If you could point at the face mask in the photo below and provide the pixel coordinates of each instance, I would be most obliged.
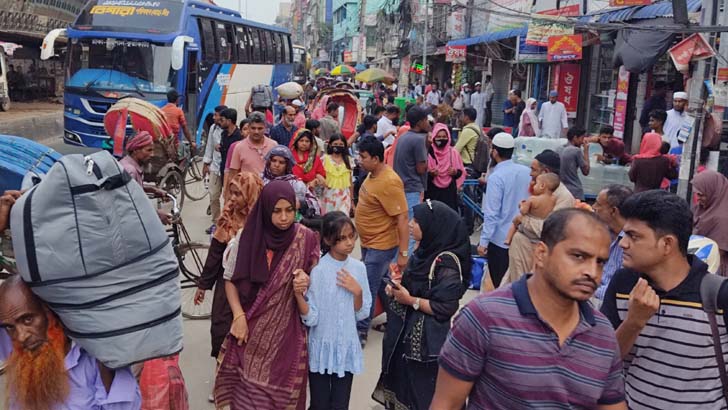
(441, 143)
(337, 150)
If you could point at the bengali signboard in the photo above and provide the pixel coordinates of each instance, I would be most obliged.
(132, 15)
(455, 54)
(566, 8)
(564, 48)
(620, 103)
(530, 54)
(566, 82)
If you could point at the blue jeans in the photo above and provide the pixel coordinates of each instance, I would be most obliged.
(413, 199)
(377, 264)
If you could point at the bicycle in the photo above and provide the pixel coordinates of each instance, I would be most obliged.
(191, 257)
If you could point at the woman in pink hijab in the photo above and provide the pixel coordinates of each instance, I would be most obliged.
(446, 172)
(710, 216)
(650, 167)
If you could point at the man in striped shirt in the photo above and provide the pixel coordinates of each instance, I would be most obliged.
(537, 343)
(655, 305)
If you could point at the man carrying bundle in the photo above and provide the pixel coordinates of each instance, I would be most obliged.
(46, 370)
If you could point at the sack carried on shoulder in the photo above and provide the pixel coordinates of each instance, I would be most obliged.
(90, 244)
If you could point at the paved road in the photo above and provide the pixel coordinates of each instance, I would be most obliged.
(196, 363)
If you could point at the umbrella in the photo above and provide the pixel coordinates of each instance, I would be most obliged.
(343, 70)
(373, 75)
(321, 71)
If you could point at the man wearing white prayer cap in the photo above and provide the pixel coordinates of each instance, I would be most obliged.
(676, 117)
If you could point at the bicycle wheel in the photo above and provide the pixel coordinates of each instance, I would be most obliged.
(194, 187)
(174, 184)
(192, 258)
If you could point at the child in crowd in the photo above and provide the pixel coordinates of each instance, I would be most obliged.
(338, 193)
(540, 204)
(333, 304)
(307, 167)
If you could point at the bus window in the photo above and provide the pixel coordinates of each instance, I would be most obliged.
(264, 41)
(287, 48)
(221, 43)
(270, 48)
(256, 46)
(282, 48)
(208, 44)
(273, 54)
(242, 42)
(230, 35)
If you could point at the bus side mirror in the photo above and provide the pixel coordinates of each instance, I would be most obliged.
(178, 51)
(47, 50)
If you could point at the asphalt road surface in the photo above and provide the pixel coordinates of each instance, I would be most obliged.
(197, 365)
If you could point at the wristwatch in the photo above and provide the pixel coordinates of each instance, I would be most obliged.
(404, 254)
(416, 305)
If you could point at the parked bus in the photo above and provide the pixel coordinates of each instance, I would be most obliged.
(300, 64)
(142, 48)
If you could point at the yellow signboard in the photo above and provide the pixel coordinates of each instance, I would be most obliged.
(125, 11)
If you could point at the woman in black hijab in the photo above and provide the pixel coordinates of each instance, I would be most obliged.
(422, 306)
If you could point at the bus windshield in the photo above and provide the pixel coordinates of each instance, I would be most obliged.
(120, 65)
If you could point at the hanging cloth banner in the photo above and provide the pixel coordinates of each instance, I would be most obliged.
(540, 29)
(693, 48)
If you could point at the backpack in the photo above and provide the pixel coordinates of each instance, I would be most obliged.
(709, 289)
(89, 243)
(262, 96)
(481, 159)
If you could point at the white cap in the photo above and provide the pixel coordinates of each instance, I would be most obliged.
(503, 140)
(680, 95)
(477, 83)
(466, 85)
(297, 103)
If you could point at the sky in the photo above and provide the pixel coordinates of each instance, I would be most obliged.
(260, 11)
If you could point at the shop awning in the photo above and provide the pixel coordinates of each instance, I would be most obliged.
(611, 16)
(491, 37)
(663, 9)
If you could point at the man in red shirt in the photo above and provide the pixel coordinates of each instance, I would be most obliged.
(613, 150)
(176, 117)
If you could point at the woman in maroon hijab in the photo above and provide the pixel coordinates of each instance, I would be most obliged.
(264, 362)
(710, 217)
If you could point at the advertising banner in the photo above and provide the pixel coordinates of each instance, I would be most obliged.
(566, 82)
(620, 103)
(455, 54)
(620, 3)
(565, 48)
(539, 30)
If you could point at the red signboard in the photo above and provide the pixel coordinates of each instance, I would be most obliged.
(620, 103)
(348, 57)
(722, 74)
(619, 3)
(572, 10)
(566, 82)
(693, 48)
(455, 54)
(564, 48)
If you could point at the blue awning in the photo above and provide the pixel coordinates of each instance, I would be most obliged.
(491, 37)
(663, 9)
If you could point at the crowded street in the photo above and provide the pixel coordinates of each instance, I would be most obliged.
(363, 204)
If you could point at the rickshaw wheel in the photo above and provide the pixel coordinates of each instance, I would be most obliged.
(173, 183)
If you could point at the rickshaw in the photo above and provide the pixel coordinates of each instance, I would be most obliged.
(173, 167)
(346, 99)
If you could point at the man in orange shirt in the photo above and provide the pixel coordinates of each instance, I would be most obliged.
(176, 117)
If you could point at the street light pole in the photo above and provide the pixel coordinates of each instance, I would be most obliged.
(424, 42)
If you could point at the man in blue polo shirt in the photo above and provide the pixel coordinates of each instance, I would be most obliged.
(656, 308)
(507, 187)
(537, 343)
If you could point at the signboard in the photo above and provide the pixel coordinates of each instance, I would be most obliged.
(456, 24)
(132, 15)
(348, 57)
(566, 82)
(620, 103)
(620, 3)
(722, 74)
(417, 68)
(565, 8)
(455, 54)
(695, 47)
(564, 48)
(539, 30)
(530, 54)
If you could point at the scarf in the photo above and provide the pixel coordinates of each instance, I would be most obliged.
(442, 159)
(712, 221)
(278, 151)
(531, 113)
(442, 230)
(234, 215)
(306, 163)
(260, 235)
(650, 146)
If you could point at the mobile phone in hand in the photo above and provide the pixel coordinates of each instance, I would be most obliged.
(391, 283)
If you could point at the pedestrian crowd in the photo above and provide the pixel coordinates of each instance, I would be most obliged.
(594, 307)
